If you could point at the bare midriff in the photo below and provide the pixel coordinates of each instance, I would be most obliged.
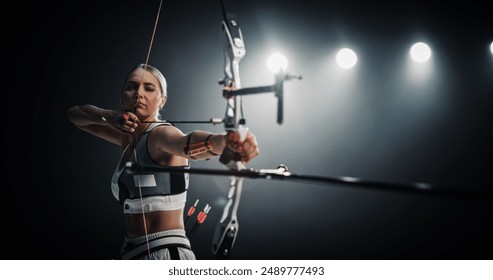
(154, 222)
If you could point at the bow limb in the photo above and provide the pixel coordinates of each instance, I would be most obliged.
(234, 50)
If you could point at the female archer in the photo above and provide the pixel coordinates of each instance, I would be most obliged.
(153, 202)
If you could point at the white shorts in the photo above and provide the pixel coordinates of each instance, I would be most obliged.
(162, 245)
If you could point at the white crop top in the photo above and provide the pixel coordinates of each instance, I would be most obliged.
(148, 191)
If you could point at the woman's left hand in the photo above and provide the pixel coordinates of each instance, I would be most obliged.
(243, 151)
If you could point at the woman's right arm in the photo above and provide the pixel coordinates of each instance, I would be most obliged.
(99, 122)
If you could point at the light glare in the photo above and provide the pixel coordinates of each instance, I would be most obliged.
(276, 62)
(420, 52)
(346, 58)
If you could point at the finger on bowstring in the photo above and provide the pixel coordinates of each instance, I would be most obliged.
(125, 117)
(125, 124)
(131, 126)
(133, 118)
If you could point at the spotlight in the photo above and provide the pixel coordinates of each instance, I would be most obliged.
(420, 52)
(277, 62)
(346, 58)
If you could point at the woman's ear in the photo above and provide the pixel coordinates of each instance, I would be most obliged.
(163, 101)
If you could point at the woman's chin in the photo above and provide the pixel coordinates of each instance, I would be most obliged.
(140, 112)
(144, 116)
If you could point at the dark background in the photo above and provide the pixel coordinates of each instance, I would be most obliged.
(370, 122)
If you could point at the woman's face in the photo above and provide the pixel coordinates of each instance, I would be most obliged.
(142, 94)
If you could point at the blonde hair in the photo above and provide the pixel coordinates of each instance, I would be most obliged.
(162, 81)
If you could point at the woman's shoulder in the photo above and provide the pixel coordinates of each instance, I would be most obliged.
(164, 128)
(154, 125)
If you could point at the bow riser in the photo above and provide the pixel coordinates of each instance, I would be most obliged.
(234, 50)
(227, 228)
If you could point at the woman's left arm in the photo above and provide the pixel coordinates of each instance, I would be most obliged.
(200, 145)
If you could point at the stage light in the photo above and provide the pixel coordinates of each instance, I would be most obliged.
(346, 58)
(277, 62)
(491, 47)
(420, 52)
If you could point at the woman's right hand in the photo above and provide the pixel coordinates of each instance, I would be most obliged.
(124, 121)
